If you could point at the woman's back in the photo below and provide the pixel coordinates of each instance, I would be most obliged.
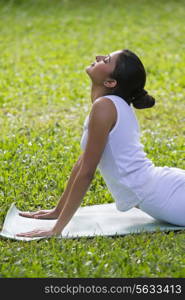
(129, 174)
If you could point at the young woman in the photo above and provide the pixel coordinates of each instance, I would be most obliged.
(111, 142)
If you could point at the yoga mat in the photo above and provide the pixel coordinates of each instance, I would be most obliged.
(88, 221)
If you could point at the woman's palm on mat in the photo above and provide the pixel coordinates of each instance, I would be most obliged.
(41, 214)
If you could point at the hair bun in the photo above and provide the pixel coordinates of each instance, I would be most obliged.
(138, 94)
(141, 99)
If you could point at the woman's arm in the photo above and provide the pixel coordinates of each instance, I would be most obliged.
(100, 123)
(64, 196)
(79, 188)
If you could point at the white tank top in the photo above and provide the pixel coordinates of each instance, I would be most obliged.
(128, 173)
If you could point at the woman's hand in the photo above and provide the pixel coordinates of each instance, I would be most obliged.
(38, 232)
(41, 214)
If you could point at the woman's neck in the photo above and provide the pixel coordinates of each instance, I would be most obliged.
(96, 92)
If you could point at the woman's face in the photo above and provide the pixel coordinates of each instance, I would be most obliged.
(99, 71)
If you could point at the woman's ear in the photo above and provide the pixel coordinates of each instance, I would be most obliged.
(110, 83)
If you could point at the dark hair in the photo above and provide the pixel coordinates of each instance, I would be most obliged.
(130, 75)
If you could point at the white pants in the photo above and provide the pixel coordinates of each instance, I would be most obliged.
(169, 209)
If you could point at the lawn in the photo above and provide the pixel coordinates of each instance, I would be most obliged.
(44, 98)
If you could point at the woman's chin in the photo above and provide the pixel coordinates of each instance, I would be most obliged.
(87, 69)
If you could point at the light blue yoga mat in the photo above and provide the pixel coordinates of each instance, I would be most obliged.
(88, 221)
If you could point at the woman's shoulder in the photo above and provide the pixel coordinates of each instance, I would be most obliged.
(104, 109)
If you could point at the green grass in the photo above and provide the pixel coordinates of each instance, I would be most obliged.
(44, 99)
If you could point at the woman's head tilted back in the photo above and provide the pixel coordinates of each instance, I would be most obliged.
(122, 73)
